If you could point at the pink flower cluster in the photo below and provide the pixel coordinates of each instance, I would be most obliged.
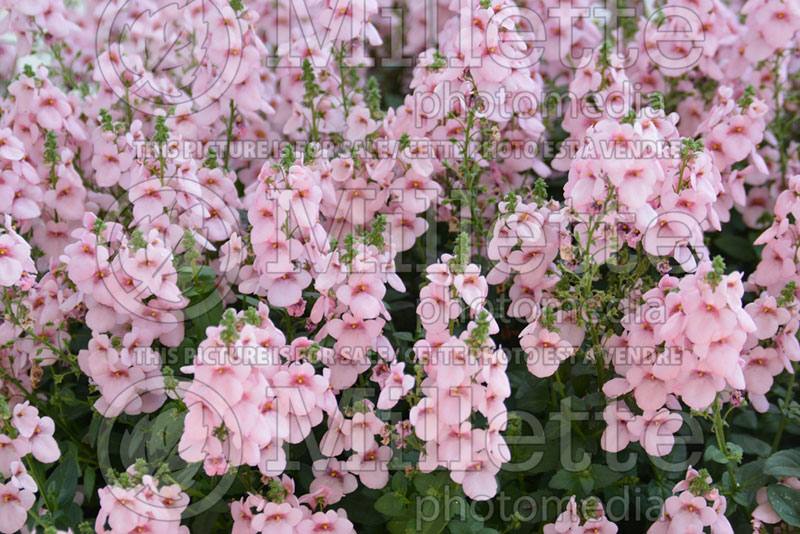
(693, 507)
(288, 514)
(32, 435)
(463, 375)
(570, 521)
(703, 328)
(244, 402)
(701, 325)
(142, 506)
(15, 257)
(631, 174)
(100, 197)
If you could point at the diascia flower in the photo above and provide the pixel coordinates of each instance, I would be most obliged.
(14, 506)
(242, 221)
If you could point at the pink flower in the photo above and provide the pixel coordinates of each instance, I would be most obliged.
(688, 513)
(699, 384)
(767, 315)
(225, 378)
(286, 288)
(761, 364)
(656, 430)
(359, 124)
(14, 506)
(415, 191)
(278, 518)
(11, 148)
(546, 350)
(398, 384)
(43, 445)
(616, 435)
(25, 418)
(354, 336)
(476, 473)
(325, 523)
(363, 428)
(109, 164)
(21, 479)
(14, 259)
(303, 197)
(709, 319)
(243, 515)
(363, 293)
(337, 439)
(424, 417)
(332, 474)
(298, 387)
(738, 137)
(371, 466)
(405, 228)
(471, 286)
(51, 108)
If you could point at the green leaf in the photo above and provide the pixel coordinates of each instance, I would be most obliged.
(563, 479)
(63, 481)
(750, 476)
(470, 525)
(429, 481)
(165, 434)
(783, 464)
(586, 483)
(580, 483)
(400, 482)
(89, 478)
(390, 504)
(205, 313)
(401, 525)
(604, 476)
(433, 524)
(713, 454)
(752, 445)
(735, 452)
(459, 527)
(404, 336)
(786, 503)
(68, 516)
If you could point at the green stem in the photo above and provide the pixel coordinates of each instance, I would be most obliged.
(33, 469)
(782, 426)
(719, 432)
(228, 133)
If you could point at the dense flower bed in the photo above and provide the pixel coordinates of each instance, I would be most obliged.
(466, 266)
